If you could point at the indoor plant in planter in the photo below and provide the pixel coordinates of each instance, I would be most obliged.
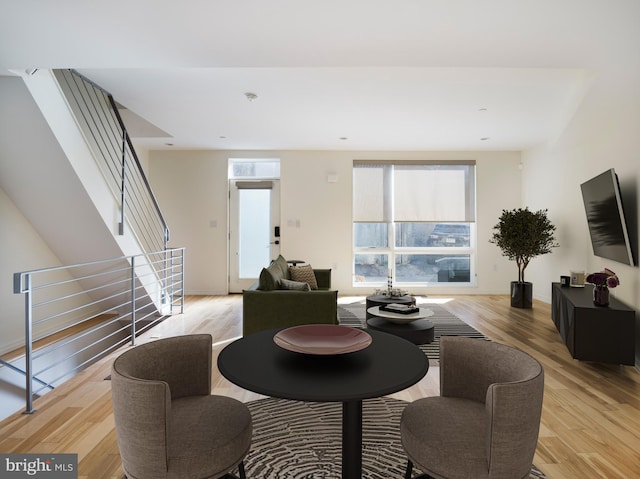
(522, 235)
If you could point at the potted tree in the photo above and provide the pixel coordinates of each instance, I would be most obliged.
(522, 235)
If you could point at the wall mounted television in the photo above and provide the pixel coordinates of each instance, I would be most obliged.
(605, 218)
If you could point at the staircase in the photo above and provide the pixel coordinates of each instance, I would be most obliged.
(86, 193)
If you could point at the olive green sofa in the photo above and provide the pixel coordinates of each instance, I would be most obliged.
(267, 304)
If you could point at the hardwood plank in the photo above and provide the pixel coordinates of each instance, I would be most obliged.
(591, 413)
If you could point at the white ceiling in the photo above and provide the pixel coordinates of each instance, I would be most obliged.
(388, 75)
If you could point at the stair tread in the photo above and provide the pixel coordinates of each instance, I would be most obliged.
(59, 336)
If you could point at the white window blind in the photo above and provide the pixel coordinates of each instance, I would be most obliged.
(370, 185)
(414, 192)
(432, 193)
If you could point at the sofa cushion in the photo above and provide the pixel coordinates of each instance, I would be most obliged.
(304, 274)
(294, 285)
(283, 266)
(269, 278)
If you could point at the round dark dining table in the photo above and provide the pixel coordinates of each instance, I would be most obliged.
(388, 365)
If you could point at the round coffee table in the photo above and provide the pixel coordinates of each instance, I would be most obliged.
(380, 300)
(412, 327)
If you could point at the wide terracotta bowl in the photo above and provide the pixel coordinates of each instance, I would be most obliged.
(322, 339)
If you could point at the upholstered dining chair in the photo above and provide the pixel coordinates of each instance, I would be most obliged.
(168, 425)
(485, 423)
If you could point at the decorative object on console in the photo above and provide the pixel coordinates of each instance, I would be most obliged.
(565, 281)
(522, 235)
(601, 282)
(577, 279)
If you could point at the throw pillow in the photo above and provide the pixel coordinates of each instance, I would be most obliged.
(267, 282)
(282, 264)
(304, 274)
(294, 285)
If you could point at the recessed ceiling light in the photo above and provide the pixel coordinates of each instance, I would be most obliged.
(482, 109)
(222, 137)
(485, 138)
(251, 96)
(169, 144)
(343, 138)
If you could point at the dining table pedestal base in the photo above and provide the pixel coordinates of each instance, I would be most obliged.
(352, 439)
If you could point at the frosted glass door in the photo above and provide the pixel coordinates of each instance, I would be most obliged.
(254, 232)
(254, 213)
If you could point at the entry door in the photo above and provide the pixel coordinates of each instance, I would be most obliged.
(254, 237)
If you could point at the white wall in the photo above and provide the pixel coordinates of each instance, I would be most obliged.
(191, 187)
(22, 250)
(604, 133)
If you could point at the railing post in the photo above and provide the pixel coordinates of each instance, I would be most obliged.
(182, 281)
(123, 177)
(168, 278)
(133, 301)
(28, 344)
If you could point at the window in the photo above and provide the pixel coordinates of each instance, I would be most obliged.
(254, 168)
(415, 221)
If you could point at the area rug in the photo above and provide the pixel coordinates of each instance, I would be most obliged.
(445, 324)
(303, 440)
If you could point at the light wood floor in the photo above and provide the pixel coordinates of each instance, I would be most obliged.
(590, 421)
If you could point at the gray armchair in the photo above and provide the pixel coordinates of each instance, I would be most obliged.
(168, 425)
(485, 423)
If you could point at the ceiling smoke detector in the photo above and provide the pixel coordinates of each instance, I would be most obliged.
(251, 96)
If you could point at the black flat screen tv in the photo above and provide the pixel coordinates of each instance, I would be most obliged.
(605, 217)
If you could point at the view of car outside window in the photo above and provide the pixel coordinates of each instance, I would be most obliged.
(426, 262)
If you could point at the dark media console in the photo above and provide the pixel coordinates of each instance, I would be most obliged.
(593, 333)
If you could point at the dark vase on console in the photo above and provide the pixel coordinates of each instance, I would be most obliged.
(600, 295)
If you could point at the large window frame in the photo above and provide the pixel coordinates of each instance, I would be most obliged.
(414, 221)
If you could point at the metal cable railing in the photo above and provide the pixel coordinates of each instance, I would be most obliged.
(74, 315)
(97, 114)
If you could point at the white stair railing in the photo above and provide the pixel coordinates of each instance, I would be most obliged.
(76, 314)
